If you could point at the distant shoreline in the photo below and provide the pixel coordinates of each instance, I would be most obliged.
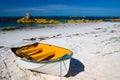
(10, 23)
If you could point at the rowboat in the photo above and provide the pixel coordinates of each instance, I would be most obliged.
(45, 58)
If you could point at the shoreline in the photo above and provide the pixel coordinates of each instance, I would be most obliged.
(95, 46)
(42, 32)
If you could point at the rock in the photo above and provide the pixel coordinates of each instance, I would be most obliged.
(27, 16)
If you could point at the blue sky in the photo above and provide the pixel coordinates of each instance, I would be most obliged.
(60, 7)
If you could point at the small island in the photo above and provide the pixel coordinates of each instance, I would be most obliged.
(28, 19)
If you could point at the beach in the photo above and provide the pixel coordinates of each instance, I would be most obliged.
(95, 47)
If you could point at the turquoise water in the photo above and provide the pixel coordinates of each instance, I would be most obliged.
(7, 24)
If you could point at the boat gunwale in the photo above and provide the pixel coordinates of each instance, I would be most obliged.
(65, 57)
(47, 61)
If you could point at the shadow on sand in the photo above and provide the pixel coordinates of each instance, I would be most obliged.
(75, 67)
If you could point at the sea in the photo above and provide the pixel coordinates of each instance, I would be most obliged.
(11, 22)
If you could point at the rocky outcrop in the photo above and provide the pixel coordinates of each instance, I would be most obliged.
(27, 16)
(28, 19)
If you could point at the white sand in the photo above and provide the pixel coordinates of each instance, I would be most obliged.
(95, 46)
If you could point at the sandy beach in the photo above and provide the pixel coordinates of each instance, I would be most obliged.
(95, 46)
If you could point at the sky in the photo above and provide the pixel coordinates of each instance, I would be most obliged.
(60, 7)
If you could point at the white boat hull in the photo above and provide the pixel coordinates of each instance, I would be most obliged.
(43, 60)
(58, 68)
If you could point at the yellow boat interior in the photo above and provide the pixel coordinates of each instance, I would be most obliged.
(40, 52)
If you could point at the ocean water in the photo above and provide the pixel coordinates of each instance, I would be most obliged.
(10, 22)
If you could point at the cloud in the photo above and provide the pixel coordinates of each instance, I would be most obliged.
(22, 9)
